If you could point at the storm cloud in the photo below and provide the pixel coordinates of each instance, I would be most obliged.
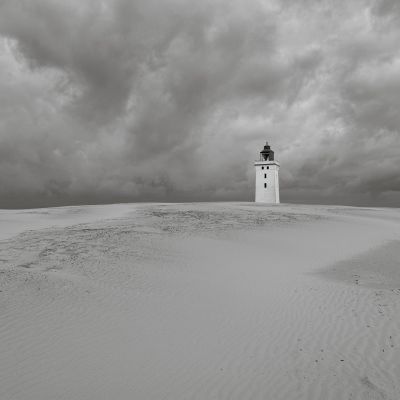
(143, 100)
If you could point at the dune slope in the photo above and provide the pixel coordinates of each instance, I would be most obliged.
(201, 301)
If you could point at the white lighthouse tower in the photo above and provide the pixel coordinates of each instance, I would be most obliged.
(267, 177)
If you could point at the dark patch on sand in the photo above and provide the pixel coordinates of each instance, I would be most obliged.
(172, 220)
(372, 391)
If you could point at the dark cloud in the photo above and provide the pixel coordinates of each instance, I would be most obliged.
(124, 100)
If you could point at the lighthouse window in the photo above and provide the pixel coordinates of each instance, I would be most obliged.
(262, 167)
(267, 167)
(265, 176)
(265, 185)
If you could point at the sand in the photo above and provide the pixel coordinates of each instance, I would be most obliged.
(200, 301)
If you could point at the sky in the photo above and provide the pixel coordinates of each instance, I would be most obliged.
(107, 101)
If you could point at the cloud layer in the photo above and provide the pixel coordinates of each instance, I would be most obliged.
(125, 100)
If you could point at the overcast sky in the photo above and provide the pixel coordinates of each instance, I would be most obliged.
(172, 100)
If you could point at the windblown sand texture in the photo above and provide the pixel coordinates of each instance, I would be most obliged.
(200, 301)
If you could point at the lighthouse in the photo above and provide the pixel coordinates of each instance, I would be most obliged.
(267, 177)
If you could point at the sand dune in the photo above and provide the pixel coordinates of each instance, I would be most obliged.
(200, 301)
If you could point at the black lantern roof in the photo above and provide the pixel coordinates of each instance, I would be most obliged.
(267, 154)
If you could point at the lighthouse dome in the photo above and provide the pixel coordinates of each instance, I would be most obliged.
(267, 153)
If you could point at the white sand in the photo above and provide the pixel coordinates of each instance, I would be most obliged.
(13, 222)
(200, 301)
